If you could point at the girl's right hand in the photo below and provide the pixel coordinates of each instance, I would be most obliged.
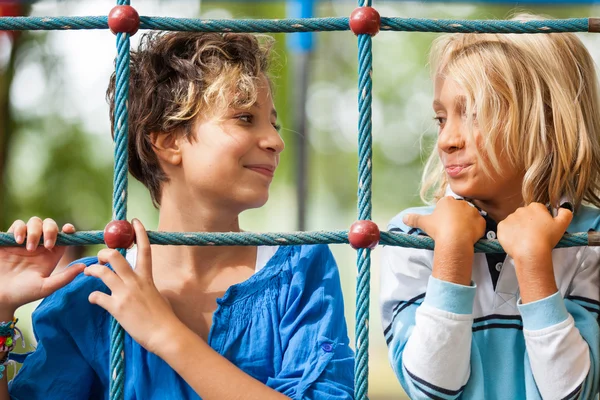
(26, 272)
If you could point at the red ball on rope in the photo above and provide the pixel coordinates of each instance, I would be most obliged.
(119, 234)
(364, 234)
(365, 20)
(123, 19)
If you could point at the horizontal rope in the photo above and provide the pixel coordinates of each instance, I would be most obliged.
(280, 239)
(303, 25)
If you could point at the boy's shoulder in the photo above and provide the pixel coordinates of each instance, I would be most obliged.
(585, 219)
(396, 224)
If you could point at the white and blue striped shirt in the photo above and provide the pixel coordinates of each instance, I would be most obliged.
(448, 341)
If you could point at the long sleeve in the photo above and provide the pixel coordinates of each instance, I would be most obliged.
(427, 323)
(562, 336)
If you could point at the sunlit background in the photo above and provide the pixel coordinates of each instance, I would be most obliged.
(56, 152)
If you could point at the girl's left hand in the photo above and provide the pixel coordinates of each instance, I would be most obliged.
(135, 302)
(532, 232)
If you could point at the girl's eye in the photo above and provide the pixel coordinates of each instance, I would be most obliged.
(277, 127)
(247, 118)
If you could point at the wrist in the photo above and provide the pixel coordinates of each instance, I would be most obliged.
(535, 275)
(171, 340)
(7, 313)
(453, 261)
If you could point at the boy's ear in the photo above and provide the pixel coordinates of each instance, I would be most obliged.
(167, 147)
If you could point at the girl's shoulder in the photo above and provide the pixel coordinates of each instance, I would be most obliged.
(69, 309)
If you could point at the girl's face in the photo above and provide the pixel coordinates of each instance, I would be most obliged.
(458, 150)
(232, 159)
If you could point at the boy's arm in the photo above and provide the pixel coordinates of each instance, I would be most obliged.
(317, 361)
(563, 337)
(427, 324)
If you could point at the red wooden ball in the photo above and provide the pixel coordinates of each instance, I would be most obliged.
(119, 234)
(364, 235)
(124, 19)
(365, 20)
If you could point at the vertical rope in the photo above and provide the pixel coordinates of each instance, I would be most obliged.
(365, 84)
(121, 128)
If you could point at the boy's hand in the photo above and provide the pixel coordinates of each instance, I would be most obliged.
(455, 226)
(25, 272)
(528, 235)
(531, 231)
(452, 221)
(135, 302)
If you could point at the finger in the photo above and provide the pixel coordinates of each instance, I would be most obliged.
(50, 231)
(34, 233)
(143, 265)
(19, 229)
(101, 299)
(416, 221)
(563, 219)
(117, 262)
(68, 228)
(102, 272)
(54, 282)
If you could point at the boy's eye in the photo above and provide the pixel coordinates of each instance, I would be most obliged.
(277, 127)
(440, 120)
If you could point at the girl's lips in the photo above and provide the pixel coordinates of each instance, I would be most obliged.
(262, 169)
(455, 170)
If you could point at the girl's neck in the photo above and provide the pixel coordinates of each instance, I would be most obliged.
(198, 261)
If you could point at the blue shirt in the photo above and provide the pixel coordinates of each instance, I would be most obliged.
(284, 326)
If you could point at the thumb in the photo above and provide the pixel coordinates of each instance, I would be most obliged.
(563, 219)
(54, 282)
(415, 221)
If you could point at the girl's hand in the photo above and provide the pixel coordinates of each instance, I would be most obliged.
(25, 272)
(135, 302)
(452, 221)
(532, 232)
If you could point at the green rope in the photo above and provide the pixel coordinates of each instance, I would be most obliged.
(300, 25)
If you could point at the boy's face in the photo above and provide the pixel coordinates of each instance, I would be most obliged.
(232, 159)
(468, 175)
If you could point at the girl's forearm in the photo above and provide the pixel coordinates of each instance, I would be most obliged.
(535, 275)
(210, 375)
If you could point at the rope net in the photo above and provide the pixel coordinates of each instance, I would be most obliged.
(365, 22)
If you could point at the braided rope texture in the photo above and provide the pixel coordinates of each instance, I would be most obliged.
(365, 176)
(300, 25)
(117, 334)
(121, 130)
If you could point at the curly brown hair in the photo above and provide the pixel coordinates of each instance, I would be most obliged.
(177, 76)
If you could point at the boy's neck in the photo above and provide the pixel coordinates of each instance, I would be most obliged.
(499, 209)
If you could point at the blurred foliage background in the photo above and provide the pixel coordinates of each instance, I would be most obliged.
(56, 151)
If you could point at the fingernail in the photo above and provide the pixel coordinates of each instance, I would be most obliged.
(19, 239)
(30, 246)
(48, 244)
(135, 221)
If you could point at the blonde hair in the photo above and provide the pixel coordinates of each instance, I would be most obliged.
(536, 95)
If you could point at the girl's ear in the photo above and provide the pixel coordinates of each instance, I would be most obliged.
(167, 147)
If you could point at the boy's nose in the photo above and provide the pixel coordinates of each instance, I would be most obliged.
(451, 138)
